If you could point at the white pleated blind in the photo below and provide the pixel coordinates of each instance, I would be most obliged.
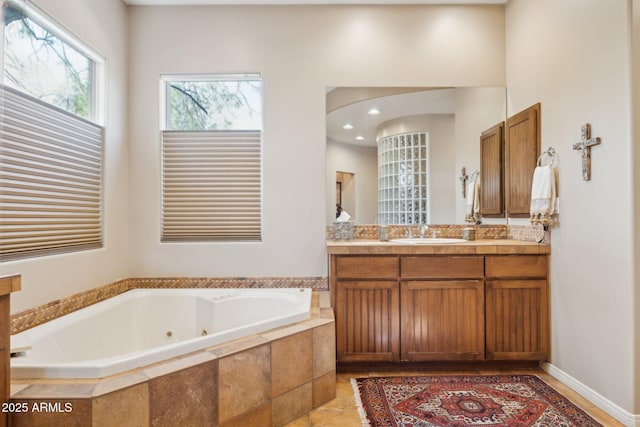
(211, 186)
(50, 179)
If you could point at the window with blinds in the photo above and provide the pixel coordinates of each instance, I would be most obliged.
(211, 186)
(50, 179)
(51, 149)
(212, 159)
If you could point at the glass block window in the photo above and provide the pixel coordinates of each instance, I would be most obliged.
(403, 179)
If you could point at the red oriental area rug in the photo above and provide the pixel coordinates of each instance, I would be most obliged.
(460, 401)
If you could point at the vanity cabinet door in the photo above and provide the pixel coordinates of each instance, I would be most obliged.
(517, 320)
(367, 321)
(442, 320)
(517, 305)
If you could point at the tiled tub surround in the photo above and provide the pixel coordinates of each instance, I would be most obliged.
(266, 379)
(145, 326)
(530, 233)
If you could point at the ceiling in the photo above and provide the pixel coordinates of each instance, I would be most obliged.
(428, 101)
(303, 2)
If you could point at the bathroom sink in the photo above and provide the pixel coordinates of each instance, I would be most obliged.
(428, 240)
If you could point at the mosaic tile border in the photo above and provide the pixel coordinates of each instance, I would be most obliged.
(33, 317)
(231, 282)
(442, 230)
(528, 233)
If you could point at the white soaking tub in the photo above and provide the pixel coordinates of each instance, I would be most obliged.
(145, 326)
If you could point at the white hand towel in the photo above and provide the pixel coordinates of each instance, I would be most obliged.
(543, 195)
(344, 216)
(472, 211)
(470, 195)
(476, 198)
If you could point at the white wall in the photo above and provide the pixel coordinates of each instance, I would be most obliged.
(573, 57)
(442, 171)
(103, 26)
(299, 51)
(635, 147)
(363, 163)
(477, 109)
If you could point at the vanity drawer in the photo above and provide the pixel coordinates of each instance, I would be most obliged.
(367, 267)
(517, 266)
(441, 267)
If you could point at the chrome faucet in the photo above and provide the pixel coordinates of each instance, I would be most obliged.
(423, 231)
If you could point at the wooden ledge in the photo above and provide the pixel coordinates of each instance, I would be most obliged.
(10, 283)
(474, 247)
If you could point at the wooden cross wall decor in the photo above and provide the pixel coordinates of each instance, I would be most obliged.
(585, 144)
(463, 179)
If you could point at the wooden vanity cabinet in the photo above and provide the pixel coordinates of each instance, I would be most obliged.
(517, 307)
(366, 301)
(442, 308)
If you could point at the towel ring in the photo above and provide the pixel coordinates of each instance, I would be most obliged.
(551, 154)
(475, 175)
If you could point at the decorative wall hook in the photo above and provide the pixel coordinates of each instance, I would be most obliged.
(585, 144)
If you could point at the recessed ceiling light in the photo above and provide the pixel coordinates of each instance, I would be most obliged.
(347, 126)
(360, 138)
(373, 112)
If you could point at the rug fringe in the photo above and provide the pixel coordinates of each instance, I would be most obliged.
(356, 394)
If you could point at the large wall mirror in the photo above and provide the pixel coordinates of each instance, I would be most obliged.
(424, 136)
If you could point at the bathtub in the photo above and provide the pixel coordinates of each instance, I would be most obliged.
(145, 326)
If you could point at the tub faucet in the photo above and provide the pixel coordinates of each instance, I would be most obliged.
(423, 231)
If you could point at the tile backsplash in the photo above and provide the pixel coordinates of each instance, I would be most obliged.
(529, 233)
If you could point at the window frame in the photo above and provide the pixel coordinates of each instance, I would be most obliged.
(164, 119)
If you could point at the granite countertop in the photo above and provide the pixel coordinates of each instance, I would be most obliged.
(480, 247)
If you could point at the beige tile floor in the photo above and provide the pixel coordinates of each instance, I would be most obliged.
(342, 412)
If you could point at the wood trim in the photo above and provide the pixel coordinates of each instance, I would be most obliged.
(5, 360)
(10, 283)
